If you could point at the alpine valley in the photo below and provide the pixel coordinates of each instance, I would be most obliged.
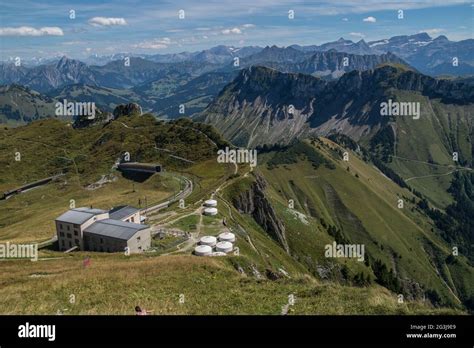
(331, 170)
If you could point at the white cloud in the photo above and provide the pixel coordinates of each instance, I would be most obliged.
(370, 19)
(432, 32)
(237, 30)
(345, 19)
(231, 31)
(106, 22)
(155, 44)
(30, 31)
(357, 34)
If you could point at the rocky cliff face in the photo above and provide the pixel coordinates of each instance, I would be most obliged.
(334, 64)
(328, 64)
(65, 71)
(255, 203)
(265, 106)
(383, 78)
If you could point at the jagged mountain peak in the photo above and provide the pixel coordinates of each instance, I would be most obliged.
(65, 62)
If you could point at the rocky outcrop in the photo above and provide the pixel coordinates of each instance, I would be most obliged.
(255, 203)
(130, 109)
(84, 121)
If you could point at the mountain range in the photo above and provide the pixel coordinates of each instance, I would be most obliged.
(264, 105)
(163, 87)
(332, 168)
(280, 246)
(427, 54)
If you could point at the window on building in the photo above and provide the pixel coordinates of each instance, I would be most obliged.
(61, 234)
(76, 233)
(139, 248)
(62, 243)
(101, 241)
(133, 219)
(77, 241)
(70, 244)
(69, 235)
(138, 238)
(68, 227)
(60, 226)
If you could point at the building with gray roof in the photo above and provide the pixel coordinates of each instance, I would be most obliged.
(80, 215)
(117, 230)
(125, 213)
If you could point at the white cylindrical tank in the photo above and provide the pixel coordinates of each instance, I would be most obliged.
(225, 247)
(203, 250)
(208, 240)
(227, 237)
(210, 211)
(210, 203)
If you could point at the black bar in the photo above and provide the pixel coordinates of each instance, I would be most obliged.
(242, 330)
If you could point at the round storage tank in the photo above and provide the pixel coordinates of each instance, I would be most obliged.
(208, 240)
(225, 247)
(227, 237)
(210, 211)
(210, 203)
(202, 250)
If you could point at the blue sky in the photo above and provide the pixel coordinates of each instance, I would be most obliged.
(44, 28)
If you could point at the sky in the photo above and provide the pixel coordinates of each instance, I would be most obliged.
(79, 29)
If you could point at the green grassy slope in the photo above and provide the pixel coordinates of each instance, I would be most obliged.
(116, 284)
(361, 202)
(20, 105)
(326, 195)
(424, 148)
